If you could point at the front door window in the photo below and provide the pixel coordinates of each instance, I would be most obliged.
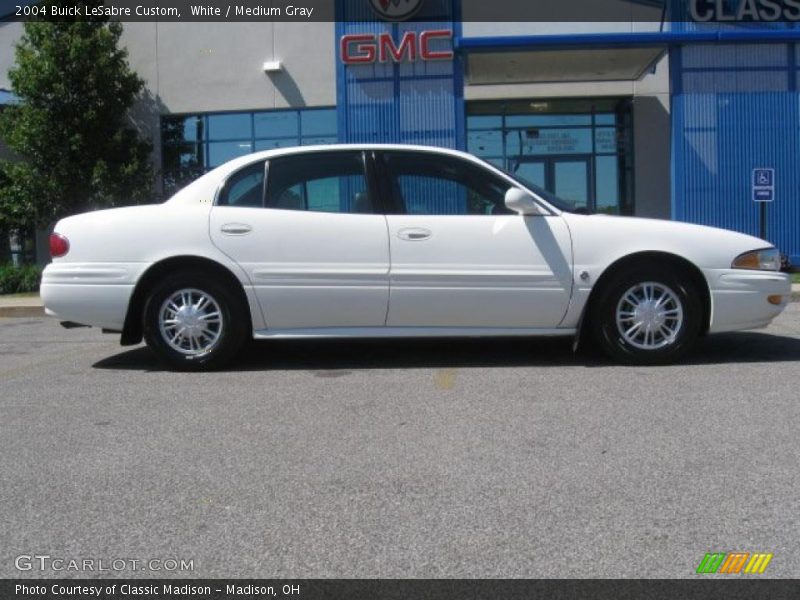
(428, 184)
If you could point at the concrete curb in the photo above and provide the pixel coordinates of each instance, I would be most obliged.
(11, 312)
(21, 306)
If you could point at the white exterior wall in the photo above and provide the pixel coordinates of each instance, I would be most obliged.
(206, 67)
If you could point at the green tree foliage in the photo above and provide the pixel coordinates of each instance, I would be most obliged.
(184, 159)
(71, 128)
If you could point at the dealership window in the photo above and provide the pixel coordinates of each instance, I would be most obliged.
(194, 144)
(578, 149)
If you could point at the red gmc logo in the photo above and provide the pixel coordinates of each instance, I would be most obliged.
(364, 48)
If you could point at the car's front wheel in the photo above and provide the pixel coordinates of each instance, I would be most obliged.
(647, 316)
(194, 323)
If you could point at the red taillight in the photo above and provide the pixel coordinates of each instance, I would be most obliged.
(59, 245)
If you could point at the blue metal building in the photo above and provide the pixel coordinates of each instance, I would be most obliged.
(734, 108)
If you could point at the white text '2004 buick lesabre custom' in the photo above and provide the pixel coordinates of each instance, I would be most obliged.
(393, 240)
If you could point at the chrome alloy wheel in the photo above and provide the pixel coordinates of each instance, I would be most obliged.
(649, 316)
(190, 321)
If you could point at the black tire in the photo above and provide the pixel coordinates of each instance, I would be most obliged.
(229, 335)
(664, 349)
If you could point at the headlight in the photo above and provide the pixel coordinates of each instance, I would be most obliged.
(768, 259)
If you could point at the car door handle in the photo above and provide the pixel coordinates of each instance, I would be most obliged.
(414, 234)
(236, 228)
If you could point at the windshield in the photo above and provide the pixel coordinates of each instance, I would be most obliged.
(559, 203)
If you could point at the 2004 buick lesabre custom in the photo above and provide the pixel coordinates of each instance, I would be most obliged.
(392, 240)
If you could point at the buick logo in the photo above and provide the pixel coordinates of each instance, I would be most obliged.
(396, 10)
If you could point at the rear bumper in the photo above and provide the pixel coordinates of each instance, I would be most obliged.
(739, 298)
(97, 305)
(89, 293)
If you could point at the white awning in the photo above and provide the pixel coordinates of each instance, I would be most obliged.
(562, 65)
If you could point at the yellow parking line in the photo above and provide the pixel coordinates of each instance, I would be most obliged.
(445, 379)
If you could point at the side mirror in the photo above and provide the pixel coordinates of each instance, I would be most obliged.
(522, 202)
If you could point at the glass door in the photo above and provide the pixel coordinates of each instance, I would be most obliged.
(571, 181)
(534, 171)
(567, 178)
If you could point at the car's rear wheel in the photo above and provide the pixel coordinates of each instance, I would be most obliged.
(194, 323)
(647, 315)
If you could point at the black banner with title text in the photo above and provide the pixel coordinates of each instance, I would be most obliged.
(780, 12)
(402, 589)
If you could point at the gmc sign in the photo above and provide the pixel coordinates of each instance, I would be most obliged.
(365, 48)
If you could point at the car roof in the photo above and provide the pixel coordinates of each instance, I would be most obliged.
(275, 152)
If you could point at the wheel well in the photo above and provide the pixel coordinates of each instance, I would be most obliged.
(132, 330)
(660, 259)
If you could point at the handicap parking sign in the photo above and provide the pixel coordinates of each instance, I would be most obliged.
(763, 177)
(763, 185)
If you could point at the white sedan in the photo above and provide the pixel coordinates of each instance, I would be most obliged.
(397, 241)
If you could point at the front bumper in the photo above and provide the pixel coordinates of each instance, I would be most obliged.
(740, 299)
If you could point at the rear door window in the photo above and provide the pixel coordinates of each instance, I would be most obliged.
(245, 188)
(333, 182)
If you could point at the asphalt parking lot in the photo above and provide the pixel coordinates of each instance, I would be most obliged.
(446, 458)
